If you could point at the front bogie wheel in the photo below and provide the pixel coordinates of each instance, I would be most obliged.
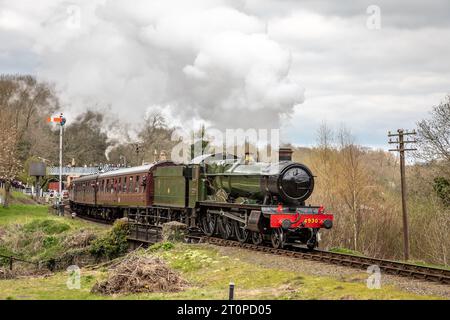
(278, 238)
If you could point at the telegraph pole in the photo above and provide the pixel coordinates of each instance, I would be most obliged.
(401, 147)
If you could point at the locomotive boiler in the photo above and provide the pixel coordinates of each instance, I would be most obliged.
(283, 182)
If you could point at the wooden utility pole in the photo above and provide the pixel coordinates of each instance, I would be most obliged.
(401, 143)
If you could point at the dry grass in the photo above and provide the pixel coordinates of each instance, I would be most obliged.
(140, 274)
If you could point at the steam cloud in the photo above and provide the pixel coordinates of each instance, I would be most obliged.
(195, 59)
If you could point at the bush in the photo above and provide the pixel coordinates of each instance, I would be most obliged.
(442, 188)
(113, 244)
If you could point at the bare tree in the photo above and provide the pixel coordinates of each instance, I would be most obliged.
(28, 102)
(354, 181)
(156, 135)
(85, 139)
(9, 163)
(434, 134)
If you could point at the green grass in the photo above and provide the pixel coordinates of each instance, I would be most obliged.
(346, 251)
(20, 195)
(21, 213)
(209, 274)
(17, 197)
(48, 226)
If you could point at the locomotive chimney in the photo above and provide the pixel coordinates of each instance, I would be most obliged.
(285, 154)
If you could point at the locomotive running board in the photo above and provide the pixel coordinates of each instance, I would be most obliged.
(230, 205)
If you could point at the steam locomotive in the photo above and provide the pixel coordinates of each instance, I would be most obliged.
(216, 194)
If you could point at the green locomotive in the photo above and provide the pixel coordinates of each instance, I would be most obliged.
(215, 194)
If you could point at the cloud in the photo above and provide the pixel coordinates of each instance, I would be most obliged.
(202, 60)
(238, 63)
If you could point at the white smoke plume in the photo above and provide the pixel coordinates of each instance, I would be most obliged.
(206, 60)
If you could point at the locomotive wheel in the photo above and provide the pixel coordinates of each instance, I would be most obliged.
(226, 228)
(257, 238)
(278, 238)
(209, 222)
(240, 232)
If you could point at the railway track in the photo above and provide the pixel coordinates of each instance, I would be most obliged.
(441, 276)
(387, 266)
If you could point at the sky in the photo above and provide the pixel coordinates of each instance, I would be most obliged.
(372, 66)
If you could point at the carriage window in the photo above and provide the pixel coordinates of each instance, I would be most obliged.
(125, 184)
(144, 183)
(131, 185)
(136, 188)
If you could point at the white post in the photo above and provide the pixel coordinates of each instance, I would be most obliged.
(60, 166)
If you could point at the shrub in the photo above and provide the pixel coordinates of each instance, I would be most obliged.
(113, 244)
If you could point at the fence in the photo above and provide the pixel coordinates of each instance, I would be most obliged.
(11, 260)
(51, 264)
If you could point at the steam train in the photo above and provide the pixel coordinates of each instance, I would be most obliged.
(216, 194)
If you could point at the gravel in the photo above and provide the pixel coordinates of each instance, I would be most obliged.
(341, 273)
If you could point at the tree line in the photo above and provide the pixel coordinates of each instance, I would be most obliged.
(359, 185)
(26, 103)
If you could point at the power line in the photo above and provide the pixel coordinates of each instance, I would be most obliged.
(401, 147)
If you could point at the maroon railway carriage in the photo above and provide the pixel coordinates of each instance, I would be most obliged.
(113, 194)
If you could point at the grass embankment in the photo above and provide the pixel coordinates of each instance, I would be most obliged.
(30, 232)
(17, 197)
(208, 273)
